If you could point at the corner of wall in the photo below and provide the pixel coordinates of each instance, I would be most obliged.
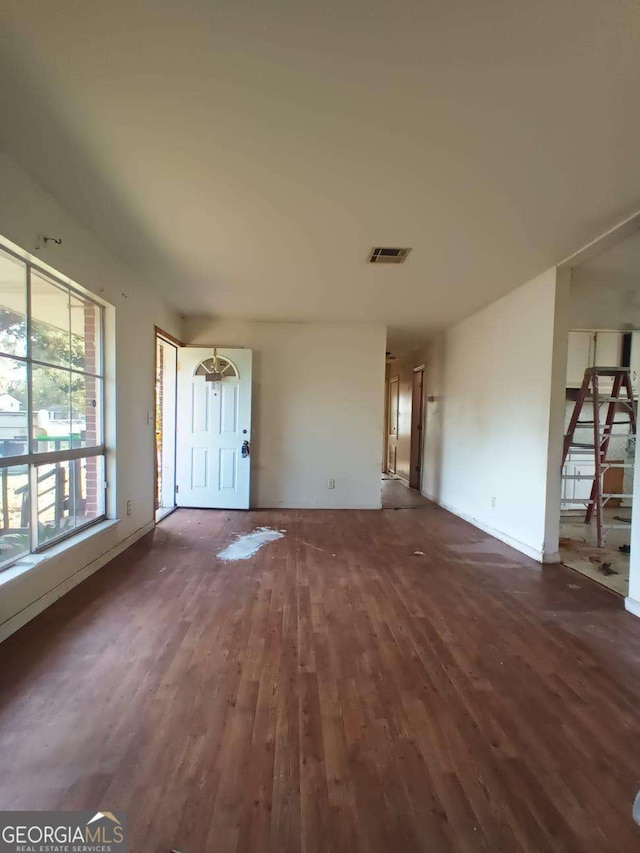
(509, 352)
(560, 343)
(632, 606)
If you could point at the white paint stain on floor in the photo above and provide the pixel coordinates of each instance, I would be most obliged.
(248, 544)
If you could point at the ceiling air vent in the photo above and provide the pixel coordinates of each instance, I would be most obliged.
(388, 256)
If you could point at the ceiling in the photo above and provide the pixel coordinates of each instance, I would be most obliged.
(245, 157)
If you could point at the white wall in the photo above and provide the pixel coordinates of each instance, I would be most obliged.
(605, 288)
(25, 211)
(497, 379)
(632, 602)
(318, 401)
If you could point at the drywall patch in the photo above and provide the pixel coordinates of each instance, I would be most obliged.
(248, 544)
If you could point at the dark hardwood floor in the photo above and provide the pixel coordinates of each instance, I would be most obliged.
(334, 692)
(395, 495)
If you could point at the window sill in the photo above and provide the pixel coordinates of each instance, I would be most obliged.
(30, 561)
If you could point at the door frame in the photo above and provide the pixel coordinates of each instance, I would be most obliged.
(232, 440)
(392, 380)
(160, 334)
(417, 430)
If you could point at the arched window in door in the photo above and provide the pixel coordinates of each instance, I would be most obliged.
(224, 367)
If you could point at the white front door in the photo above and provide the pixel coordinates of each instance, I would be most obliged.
(214, 429)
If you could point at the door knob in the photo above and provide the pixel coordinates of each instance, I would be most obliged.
(246, 449)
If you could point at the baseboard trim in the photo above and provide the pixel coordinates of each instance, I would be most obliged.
(536, 554)
(632, 606)
(553, 557)
(18, 620)
(272, 507)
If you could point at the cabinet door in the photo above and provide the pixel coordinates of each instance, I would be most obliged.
(608, 354)
(568, 486)
(578, 489)
(608, 349)
(579, 357)
(586, 468)
(635, 362)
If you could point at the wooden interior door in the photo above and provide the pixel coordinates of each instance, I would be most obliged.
(392, 425)
(417, 414)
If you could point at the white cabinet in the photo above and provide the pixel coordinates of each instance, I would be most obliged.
(635, 362)
(579, 357)
(583, 465)
(608, 349)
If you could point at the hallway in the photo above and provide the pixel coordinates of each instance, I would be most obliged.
(335, 691)
(395, 495)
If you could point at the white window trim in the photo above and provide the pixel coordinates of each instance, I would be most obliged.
(33, 459)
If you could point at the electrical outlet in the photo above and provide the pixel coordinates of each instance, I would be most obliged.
(493, 503)
(129, 507)
(332, 484)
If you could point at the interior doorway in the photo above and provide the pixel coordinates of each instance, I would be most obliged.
(417, 427)
(599, 454)
(403, 431)
(392, 424)
(165, 424)
(599, 474)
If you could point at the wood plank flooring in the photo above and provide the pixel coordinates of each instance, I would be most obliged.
(334, 692)
(395, 495)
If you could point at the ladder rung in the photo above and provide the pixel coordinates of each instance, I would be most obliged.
(578, 476)
(609, 434)
(616, 526)
(577, 501)
(607, 371)
(591, 477)
(617, 465)
(602, 399)
(615, 495)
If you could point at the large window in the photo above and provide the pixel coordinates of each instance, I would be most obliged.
(52, 464)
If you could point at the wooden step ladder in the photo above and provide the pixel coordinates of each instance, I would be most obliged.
(602, 433)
